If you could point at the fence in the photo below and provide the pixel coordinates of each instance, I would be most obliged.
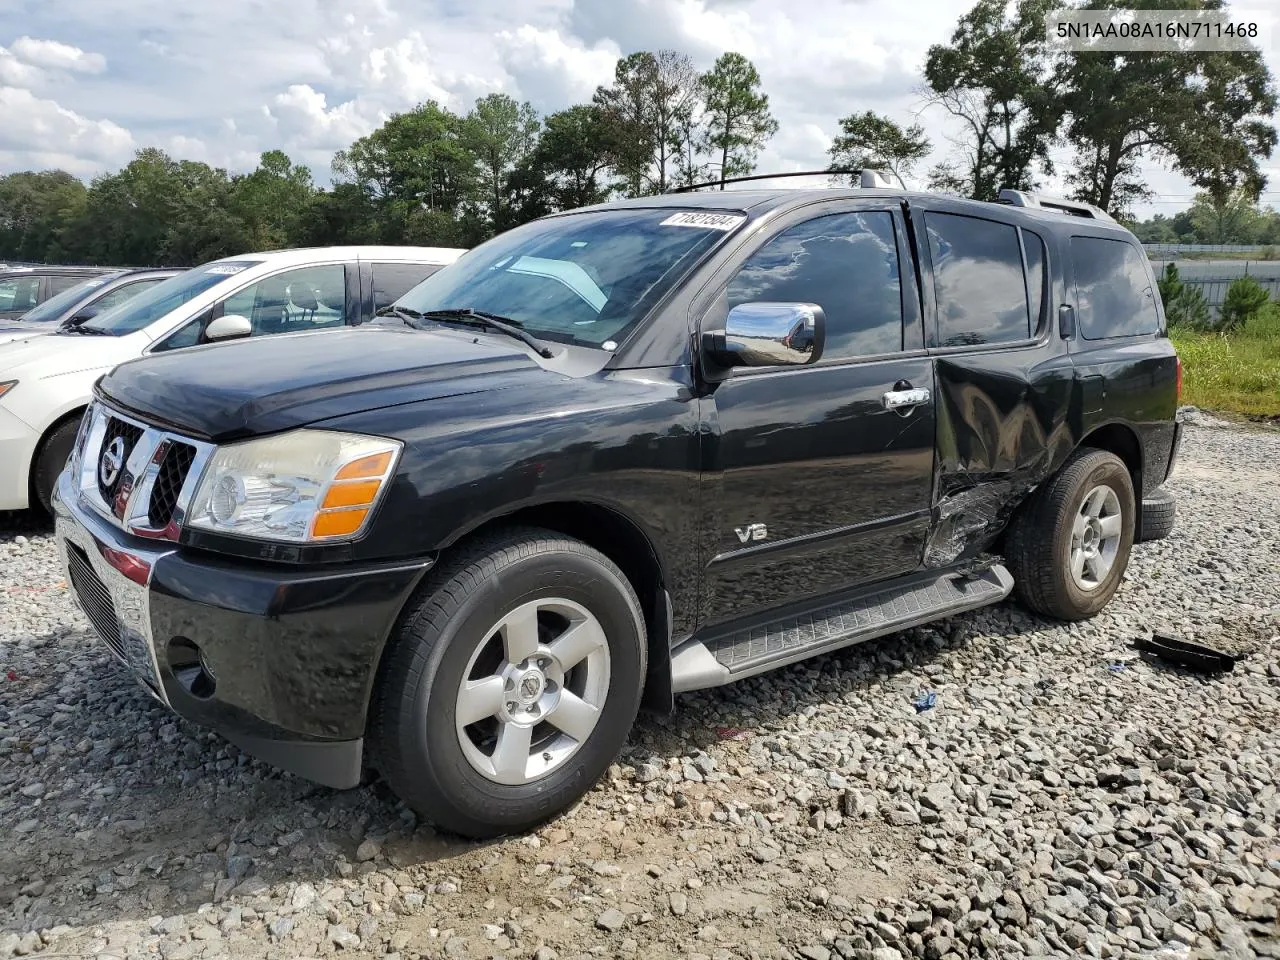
(1213, 277)
(1165, 249)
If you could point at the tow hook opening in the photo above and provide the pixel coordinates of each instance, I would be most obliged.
(191, 668)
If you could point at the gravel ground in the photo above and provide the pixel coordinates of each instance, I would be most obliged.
(1063, 796)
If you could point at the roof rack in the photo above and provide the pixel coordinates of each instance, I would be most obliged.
(1041, 201)
(868, 179)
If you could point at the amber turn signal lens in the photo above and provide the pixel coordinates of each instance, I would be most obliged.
(357, 494)
(374, 465)
(339, 523)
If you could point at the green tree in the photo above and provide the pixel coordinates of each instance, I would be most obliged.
(38, 213)
(417, 159)
(271, 200)
(867, 140)
(1184, 305)
(501, 134)
(573, 157)
(1205, 113)
(1245, 300)
(737, 118)
(1232, 218)
(161, 211)
(644, 116)
(995, 78)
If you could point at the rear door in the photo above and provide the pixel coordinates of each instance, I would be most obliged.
(816, 485)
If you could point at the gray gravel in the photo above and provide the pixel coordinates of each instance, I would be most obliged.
(1063, 797)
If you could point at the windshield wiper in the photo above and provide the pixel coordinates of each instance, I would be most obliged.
(404, 313)
(489, 321)
(84, 330)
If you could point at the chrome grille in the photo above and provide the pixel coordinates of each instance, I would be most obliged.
(155, 485)
(174, 469)
(130, 433)
(95, 600)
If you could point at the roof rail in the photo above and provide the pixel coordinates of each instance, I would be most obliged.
(868, 179)
(1041, 201)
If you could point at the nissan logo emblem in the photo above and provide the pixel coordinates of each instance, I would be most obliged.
(112, 462)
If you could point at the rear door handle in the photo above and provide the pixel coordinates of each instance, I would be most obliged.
(904, 401)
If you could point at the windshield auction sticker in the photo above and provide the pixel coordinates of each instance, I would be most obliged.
(707, 221)
(1156, 31)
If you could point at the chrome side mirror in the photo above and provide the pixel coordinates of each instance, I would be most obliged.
(769, 335)
(228, 327)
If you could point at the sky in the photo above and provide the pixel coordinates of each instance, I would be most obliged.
(85, 83)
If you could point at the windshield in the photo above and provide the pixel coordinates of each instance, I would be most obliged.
(55, 307)
(148, 307)
(586, 278)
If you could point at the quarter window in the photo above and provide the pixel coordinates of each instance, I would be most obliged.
(1114, 290)
(846, 263)
(978, 282)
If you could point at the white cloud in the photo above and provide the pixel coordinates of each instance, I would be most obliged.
(57, 56)
(303, 117)
(552, 70)
(40, 128)
(226, 80)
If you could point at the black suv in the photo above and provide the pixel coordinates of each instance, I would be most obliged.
(615, 454)
(25, 288)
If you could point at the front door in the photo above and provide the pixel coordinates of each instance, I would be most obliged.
(816, 484)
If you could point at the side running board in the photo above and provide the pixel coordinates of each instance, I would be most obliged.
(717, 658)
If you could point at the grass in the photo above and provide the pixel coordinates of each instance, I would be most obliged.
(1237, 374)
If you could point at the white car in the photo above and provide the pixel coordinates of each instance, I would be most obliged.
(46, 380)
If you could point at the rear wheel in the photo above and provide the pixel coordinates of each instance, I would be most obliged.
(50, 460)
(1069, 545)
(511, 684)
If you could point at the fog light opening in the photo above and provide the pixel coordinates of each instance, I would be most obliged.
(191, 668)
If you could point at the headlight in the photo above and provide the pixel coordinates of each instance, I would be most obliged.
(302, 486)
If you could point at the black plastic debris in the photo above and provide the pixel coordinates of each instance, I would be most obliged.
(1196, 656)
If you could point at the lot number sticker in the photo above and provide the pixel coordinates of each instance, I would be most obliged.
(707, 221)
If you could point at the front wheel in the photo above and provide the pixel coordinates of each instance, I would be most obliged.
(511, 684)
(1069, 544)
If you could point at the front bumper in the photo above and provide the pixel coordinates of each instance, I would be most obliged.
(18, 444)
(281, 662)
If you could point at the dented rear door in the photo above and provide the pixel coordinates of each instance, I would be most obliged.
(1003, 375)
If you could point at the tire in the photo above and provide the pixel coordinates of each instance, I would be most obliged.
(1159, 513)
(1042, 541)
(456, 630)
(50, 460)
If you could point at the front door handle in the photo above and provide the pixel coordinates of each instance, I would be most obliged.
(904, 401)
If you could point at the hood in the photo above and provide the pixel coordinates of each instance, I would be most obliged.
(229, 391)
(38, 354)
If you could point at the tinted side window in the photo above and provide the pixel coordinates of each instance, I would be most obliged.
(977, 280)
(1033, 247)
(19, 293)
(1113, 288)
(62, 282)
(847, 263)
(391, 281)
(120, 294)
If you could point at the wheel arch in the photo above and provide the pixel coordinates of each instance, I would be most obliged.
(1122, 440)
(75, 413)
(624, 541)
